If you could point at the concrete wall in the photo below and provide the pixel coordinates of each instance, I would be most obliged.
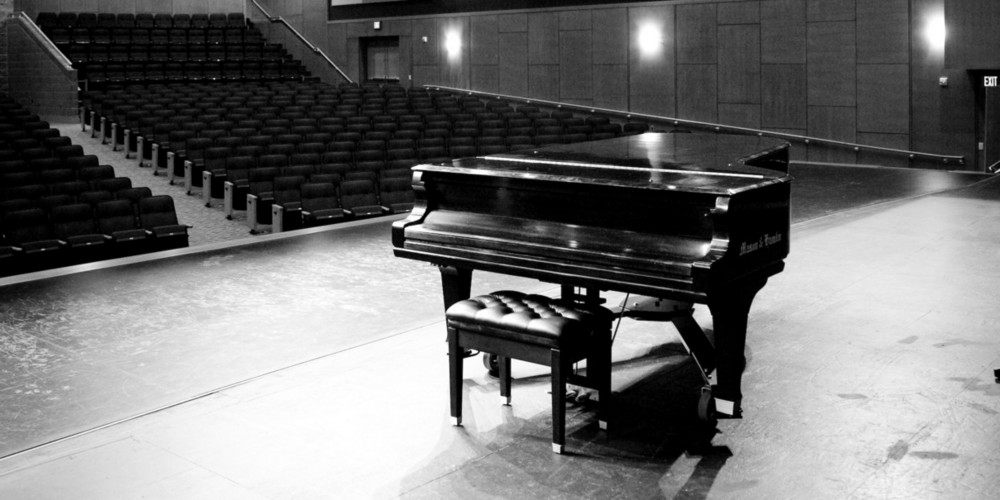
(37, 78)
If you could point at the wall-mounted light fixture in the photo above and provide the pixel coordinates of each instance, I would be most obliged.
(452, 43)
(935, 32)
(377, 25)
(650, 39)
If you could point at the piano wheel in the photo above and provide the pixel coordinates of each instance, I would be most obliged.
(492, 364)
(706, 405)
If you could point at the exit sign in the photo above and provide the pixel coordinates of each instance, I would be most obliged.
(990, 81)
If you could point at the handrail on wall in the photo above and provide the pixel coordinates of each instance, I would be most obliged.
(717, 127)
(303, 39)
(43, 40)
(994, 168)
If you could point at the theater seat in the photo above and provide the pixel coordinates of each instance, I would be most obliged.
(159, 218)
(320, 205)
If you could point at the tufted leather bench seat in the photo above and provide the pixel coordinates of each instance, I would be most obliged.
(537, 329)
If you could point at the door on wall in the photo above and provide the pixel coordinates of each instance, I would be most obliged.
(987, 84)
(380, 58)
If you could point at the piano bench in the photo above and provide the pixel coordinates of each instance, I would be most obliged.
(537, 329)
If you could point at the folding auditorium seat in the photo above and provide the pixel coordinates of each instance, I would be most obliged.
(125, 20)
(158, 217)
(29, 233)
(218, 20)
(236, 20)
(47, 21)
(396, 194)
(635, 128)
(94, 174)
(182, 21)
(117, 223)
(319, 204)
(234, 171)
(112, 185)
(163, 20)
(76, 229)
(258, 195)
(286, 204)
(193, 150)
(359, 199)
(213, 159)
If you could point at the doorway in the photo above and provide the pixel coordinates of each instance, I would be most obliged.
(380, 59)
(987, 85)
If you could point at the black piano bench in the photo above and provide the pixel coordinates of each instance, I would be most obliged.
(537, 329)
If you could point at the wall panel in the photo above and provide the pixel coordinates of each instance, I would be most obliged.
(485, 39)
(508, 23)
(783, 99)
(832, 122)
(574, 20)
(883, 98)
(745, 12)
(739, 63)
(697, 92)
(883, 32)
(696, 34)
(611, 86)
(830, 10)
(485, 78)
(513, 64)
(783, 31)
(543, 38)
(575, 65)
(742, 115)
(612, 37)
(424, 53)
(652, 80)
(894, 141)
(543, 81)
(831, 59)
(117, 6)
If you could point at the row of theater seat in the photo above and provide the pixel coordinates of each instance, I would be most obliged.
(117, 56)
(60, 207)
(83, 55)
(346, 131)
(100, 74)
(49, 20)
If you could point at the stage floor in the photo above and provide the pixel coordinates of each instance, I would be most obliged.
(313, 366)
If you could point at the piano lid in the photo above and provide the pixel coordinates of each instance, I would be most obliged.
(711, 163)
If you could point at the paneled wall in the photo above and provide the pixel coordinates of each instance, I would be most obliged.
(856, 70)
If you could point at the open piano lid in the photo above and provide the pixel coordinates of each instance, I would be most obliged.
(709, 163)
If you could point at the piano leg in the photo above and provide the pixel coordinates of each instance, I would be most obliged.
(730, 309)
(456, 283)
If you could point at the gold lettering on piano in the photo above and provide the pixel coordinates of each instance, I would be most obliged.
(764, 241)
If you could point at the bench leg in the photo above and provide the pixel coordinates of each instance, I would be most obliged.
(603, 376)
(558, 402)
(504, 363)
(455, 359)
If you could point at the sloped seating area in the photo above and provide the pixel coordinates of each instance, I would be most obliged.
(113, 50)
(59, 207)
(231, 142)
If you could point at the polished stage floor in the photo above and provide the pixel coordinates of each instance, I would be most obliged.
(312, 365)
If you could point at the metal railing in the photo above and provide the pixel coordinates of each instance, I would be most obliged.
(316, 50)
(716, 127)
(43, 40)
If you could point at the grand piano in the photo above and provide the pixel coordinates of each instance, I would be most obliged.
(701, 218)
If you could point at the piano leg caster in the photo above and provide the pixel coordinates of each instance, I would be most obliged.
(558, 448)
(706, 405)
(492, 364)
(603, 425)
(456, 421)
